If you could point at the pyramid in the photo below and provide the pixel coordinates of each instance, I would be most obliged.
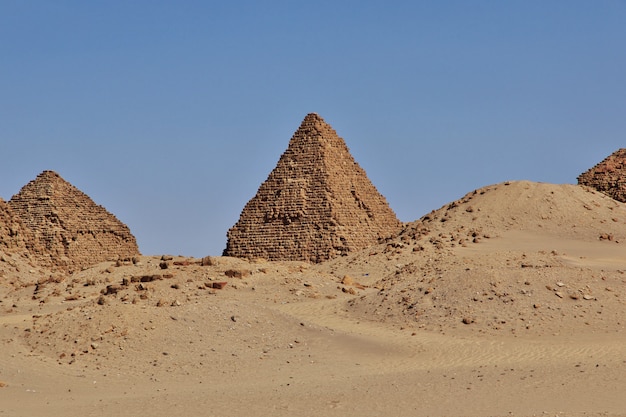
(609, 176)
(315, 205)
(69, 230)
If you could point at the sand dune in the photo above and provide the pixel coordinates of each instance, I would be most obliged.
(509, 301)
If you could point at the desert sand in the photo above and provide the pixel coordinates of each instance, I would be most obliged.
(510, 301)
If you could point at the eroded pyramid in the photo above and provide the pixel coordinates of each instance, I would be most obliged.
(609, 176)
(315, 205)
(69, 230)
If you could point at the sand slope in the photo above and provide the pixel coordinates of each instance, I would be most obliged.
(509, 301)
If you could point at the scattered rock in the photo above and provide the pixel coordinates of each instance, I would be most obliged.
(237, 273)
(112, 289)
(347, 280)
(150, 278)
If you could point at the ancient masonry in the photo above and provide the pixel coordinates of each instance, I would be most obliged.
(69, 230)
(609, 176)
(13, 235)
(315, 205)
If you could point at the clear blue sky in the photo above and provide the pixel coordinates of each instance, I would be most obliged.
(171, 113)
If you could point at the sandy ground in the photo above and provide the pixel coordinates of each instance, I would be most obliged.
(514, 305)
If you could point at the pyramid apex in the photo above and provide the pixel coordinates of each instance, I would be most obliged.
(314, 120)
(313, 116)
(49, 174)
(314, 128)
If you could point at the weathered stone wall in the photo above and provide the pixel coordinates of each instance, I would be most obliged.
(69, 230)
(12, 243)
(609, 176)
(13, 235)
(316, 204)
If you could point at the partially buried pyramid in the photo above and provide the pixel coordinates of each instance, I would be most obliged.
(609, 176)
(68, 229)
(315, 205)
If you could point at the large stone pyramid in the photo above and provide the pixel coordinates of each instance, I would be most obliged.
(316, 204)
(609, 176)
(69, 230)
